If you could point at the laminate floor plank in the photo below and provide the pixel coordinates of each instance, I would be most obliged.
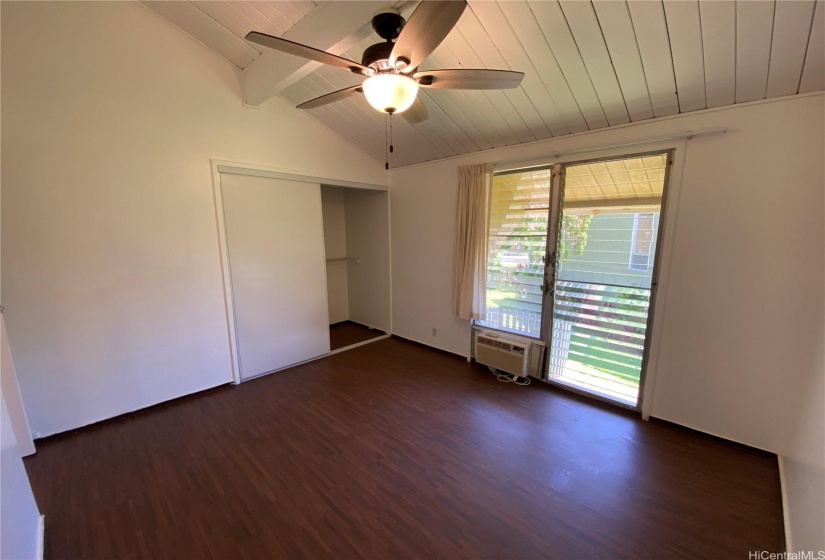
(348, 333)
(392, 451)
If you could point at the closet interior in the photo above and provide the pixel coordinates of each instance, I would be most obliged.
(356, 241)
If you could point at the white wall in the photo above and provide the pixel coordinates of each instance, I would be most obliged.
(422, 206)
(335, 241)
(368, 235)
(14, 400)
(111, 269)
(804, 463)
(19, 516)
(742, 309)
(804, 467)
(744, 303)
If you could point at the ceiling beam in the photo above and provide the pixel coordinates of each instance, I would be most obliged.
(331, 26)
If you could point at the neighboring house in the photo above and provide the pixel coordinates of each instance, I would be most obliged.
(619, 251)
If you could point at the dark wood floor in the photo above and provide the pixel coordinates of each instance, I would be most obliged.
(393, 451)
(348, 333)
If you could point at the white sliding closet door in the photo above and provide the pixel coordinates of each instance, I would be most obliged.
(275, 238)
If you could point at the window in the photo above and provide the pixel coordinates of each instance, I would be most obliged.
(519, 211)
(641, 246)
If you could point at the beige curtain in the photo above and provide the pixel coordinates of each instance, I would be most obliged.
(472, 221)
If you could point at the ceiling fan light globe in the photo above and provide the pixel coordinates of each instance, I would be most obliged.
(390, 93)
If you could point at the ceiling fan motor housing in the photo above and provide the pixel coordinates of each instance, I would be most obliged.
(388, 24)
(377, 56)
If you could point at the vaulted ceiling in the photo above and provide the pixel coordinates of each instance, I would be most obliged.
(587, 65)
(222, 26)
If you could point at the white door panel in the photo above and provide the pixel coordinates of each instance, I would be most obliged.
(275, 240)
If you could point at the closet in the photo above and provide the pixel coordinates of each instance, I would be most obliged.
(356, 237)
(306, 266)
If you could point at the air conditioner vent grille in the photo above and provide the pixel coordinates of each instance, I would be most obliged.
(495, 343)
(501, 345)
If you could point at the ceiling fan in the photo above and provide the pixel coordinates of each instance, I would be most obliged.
(391, 68)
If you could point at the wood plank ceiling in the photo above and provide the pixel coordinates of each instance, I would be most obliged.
(587, 65)
(222, 26)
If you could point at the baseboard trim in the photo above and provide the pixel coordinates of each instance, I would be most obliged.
(127, 414)
(783, 490)
(41, 537)
(722, 439)
(429, 347)
(199, 392)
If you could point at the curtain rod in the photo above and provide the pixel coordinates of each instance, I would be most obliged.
(543, 161)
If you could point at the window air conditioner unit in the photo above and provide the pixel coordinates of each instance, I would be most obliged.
(502, 353)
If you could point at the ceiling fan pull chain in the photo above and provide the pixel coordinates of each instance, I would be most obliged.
(386, 144)
(391, 147)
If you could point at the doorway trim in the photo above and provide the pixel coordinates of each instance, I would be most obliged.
(273, 173)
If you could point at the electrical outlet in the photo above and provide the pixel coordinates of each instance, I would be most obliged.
(435, 331)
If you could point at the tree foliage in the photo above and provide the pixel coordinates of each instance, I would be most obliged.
(574, 235)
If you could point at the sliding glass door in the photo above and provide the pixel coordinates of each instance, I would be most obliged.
(572, 260)
(603, 279)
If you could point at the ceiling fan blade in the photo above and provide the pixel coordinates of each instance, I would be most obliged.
(469, 79)
(417, 112)
(304, 51)
(330, 97)
(428, 25)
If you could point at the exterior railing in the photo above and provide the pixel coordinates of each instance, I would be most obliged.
(519, 320)
(598, 334)
(601, 329)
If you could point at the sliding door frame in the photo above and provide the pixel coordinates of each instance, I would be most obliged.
(551, 264)
(654, 280)
(220, 167)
